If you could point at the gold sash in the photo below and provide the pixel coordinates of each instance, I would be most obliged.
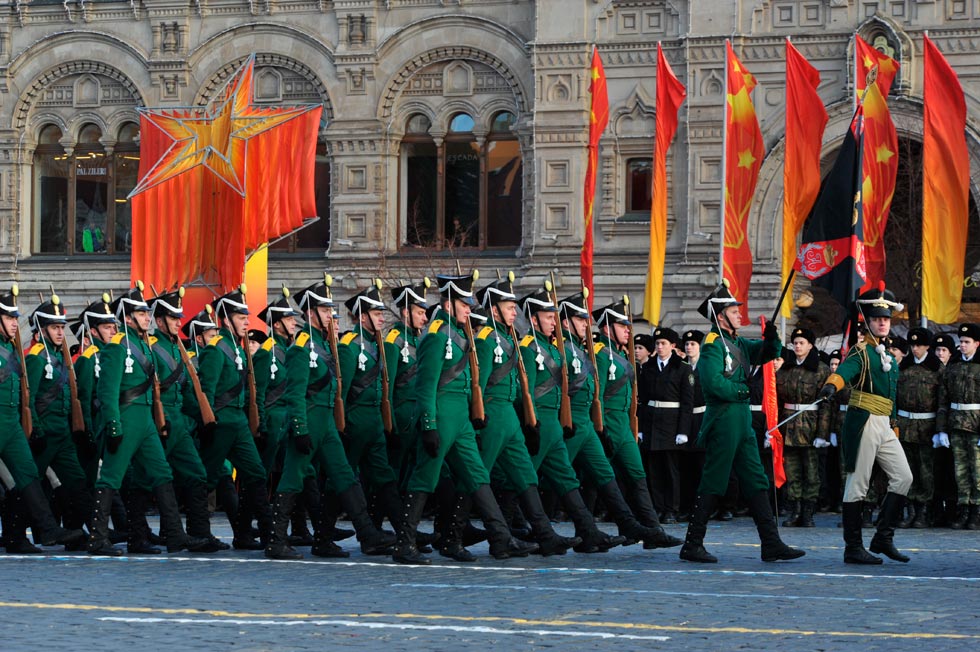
(871, 402)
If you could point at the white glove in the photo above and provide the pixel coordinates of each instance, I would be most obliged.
(935, 441)
(680, 440)
(978, 442)
(768, 442)
(639, 436)
(820, 442)
(943, 439)
(833, 439)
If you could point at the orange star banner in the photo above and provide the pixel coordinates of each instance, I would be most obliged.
(743, 156)
(945, 189)
(806, 119)
(218, 181)
(670, 95)
(880, 153)
(598, 119)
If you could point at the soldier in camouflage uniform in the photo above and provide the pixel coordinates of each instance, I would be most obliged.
(917, 402)
(944, 477)
(958, 425)
(797, 384)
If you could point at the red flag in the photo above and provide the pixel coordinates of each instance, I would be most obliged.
(880, 154)
(744, 150)
(945, 189)
(670, 95)
(771, 408)
(805, 122)
(598, 119)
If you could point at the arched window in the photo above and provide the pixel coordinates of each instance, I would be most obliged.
(464, 192)
(639, 186)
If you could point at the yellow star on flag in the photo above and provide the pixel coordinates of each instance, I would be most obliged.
(882, 154)
(745, 159)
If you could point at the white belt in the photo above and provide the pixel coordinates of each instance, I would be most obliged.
(964, 406)
(755, 408)
(699, 409)
(843, 408)
(804, 407)
(663, 404)
(916, 415)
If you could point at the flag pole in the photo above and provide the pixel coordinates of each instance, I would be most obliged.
(724, 167)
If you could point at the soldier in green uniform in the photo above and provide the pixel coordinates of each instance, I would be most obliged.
(25, 500)
(504, 445)
(53, 442)
(311, 388)
(726, 432)
(797, 384)
(869, 436)
(223, 374)
(958, 425)
(917, 401)
(97, 325)
(124, 392)
(443, 393)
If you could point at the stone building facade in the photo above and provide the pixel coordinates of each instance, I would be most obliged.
(451, 128)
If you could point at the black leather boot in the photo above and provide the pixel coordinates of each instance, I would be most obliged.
(324, 526)
(922, 516)
(883, 541)
(257, 502)
(406, 550)
(852, 515)
(793, 518)
(638, 493)
(46, 530)
(391, 505)
(307, 505)
(15, 526)
(171, 527)
(452, 517)
(693, 548)
(593, 539)
(199, 517)
(619, 511)
(911, 511)
(98, 543)
(502, 544)
(282, 511)
(543, 534)
(373, 541)
(241, 525)
(973, 522)
(773, 548)
(806, 514)
(962, 517)
(138, 541)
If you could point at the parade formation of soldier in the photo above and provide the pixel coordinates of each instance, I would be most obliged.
(484, 403)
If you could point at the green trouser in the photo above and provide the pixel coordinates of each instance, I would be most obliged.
(140, 446)
(502, 446)
(966, 466)
(457, 448)
(625, 455)
(60, 454)
(181, 452)
(920, 459)
(552, 462)
(730, 444)
(802, 466)
(233, 441)
(585, 449)
(276, 426)
(408, 437)
(367, 449)
(327, 455)
(14, 450)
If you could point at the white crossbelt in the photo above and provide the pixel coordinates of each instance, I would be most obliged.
(964, 406)
(916, 415)
(805, 407)
(663, 404)
(699, 410)
(755, 408)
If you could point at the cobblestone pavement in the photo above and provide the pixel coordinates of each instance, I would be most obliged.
(627, 599)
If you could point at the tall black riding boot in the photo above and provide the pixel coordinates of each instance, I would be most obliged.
(502, 544)
(622, 515)
(46, 530)
(307, 505)
(593, 539)
(883, 541)
(373, 541)
(138, 541)
(198, 516)
(541, 531)
(512, 515)
(773, 548)
(638, 494)
(693, 548)
(120, 522)
(406, 550)
(852, 515)
(391, 505)
(257, 503)
(278, 546)
(324, 527)
(171, 527)
(452, 516)
(98, 543)
(15, 526)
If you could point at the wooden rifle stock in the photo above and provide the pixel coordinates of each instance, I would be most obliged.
(565, 408)
(634, 418)
(339, 413)
(26, 419)
(207, 414)
(386, 417)
(527, 399)
(595, 411)
(476, 400)
(159, 416)
(77, 416)
(253, 394)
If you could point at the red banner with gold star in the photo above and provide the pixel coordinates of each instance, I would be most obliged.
(743, 157)
(880, 153)
(598, 119)
(218, 181)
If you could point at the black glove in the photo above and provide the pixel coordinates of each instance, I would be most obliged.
(479, 442)
(112, 443)
(431, 442)
(567, 432)
(345, 440)
(79, 437)
(827, 391)
(742, 392)
(165, 431)
(532, 438)
(607, 445)
(38, 443)
(480, 424)
(85, 442)
(206, 433)
(392, 439)
(303, 444)
(769, 333)
(261, 440)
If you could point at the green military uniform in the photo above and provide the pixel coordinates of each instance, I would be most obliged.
(87, 368)
(616, 387)
(401, 343)
(584, 446)
(14, 451)
(271, 385)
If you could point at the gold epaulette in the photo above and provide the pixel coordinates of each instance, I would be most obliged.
(269, 343)
(348, 338)
(302, 339)
(710, 337)
(598, 346)
(392, 335)
(435, 325)
(36, 349)
(153, 340)
(191, 354)
(90, 351)
(526, 340)
(214, 340)
(485, 333)
(118, 338)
